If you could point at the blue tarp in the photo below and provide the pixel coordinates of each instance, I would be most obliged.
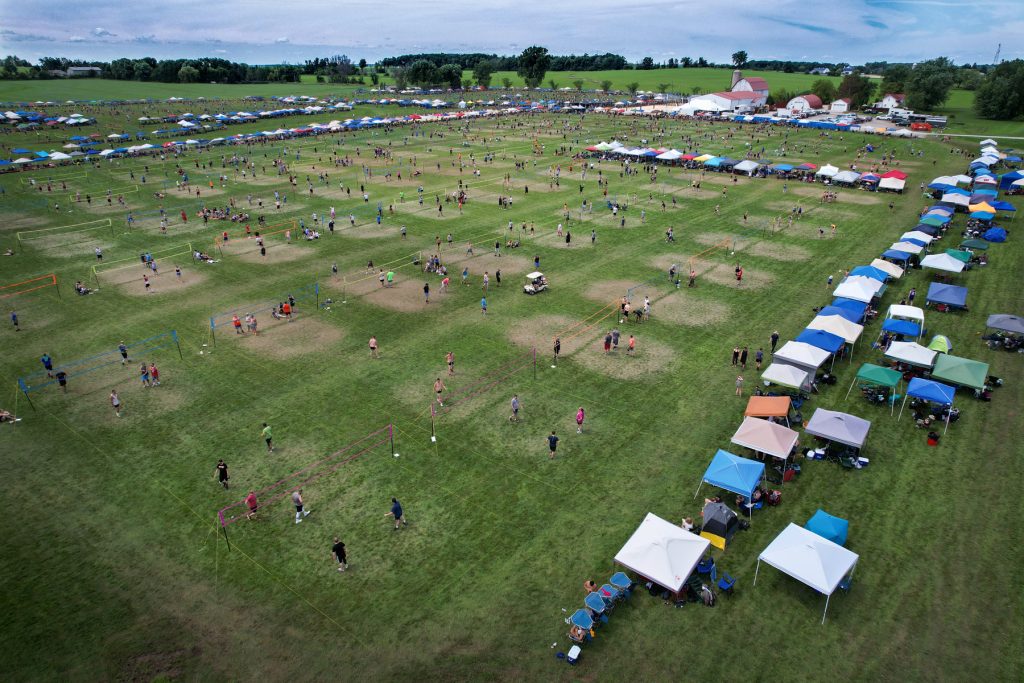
(733, 473)
(951, 295)
(904, 327)
(930, 390)
(829, 527)
(994, 235)
(871, 272)
(896, 255)
(821, 339)
(842, 312)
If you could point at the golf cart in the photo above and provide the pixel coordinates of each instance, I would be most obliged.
(535, 283)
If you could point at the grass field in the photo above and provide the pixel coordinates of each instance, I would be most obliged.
(116, 568)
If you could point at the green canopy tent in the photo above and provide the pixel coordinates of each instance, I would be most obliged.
(878, 376)
(964, 256)
(974, 244)
(961, 371)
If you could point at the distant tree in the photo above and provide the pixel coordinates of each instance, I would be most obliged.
(894, 78)
(578, 84)
(401, 76)
(632, 88)
(673, 63)
(739, 58)
(1001, 94)
(553, 84)
(701, 62)
(450, 75)
(646, 63)
(824, 89)
(685, 63)
(422, 73)
(506, 82)
(663, 87)
(362, 64)
(606, 85)
(375, 78)
(188, 74)
(143, 70)
(533, 64)
(968, 78)
(780, 97)
(857, 88)
(930, 83)
(467, 83)
(482, 72)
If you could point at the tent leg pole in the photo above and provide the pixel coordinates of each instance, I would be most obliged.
(756, 569)
(825, 614)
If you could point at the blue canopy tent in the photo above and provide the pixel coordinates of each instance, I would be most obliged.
(733, 473)
(840, 311)
(895, 255)
(821, 339)
(857, 307)
(982, 216)
(913, 240)
(932, 391)
(1005, 181)
(951, 295)
(828, 526)
(904, 327)
(994, 235)
(871, 272)
(927, 229)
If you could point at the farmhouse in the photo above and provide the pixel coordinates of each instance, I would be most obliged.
(891, 101)
(841, 106)
(804, 103)
(819, 71)
(746, 94)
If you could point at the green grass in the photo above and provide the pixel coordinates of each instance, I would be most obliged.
(59, 90)
(963, 119)
(110, 535)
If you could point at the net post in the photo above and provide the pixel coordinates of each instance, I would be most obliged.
(224, 528)
(316, 287)
(95, 276)
(391, 436)
(24, 390)
(56, 286)
(174, 336)
(534, 363)
(213, 331)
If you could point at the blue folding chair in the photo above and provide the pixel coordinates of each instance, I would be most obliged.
(581, 619)
(610, 594)
(724, 582)
(844, 585)
(623, 583)
(706, 566)
(596, 604)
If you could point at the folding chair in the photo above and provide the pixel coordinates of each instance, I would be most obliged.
(724, 582)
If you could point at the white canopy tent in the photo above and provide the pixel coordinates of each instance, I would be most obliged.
(827, 171)
(895, 184)
(787, 376)
(889, 267)
(810, 559)
(917, 235)
(765, 437)
(747, 166)
(856, 290)
(801, 355)
(943, 262)
(846, 177)
(955, 199)
(662, 552)
(839, 326)
(911, 353)
(904, 312)
(670, 155)
(908, 247)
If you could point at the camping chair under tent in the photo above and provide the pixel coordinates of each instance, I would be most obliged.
(876, 375)
(933, 392)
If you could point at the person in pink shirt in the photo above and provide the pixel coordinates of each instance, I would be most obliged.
(580, 416)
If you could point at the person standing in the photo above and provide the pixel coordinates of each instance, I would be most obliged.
(758, 358)
(631, 347)
(736, 355)
(593, 237)
(615, 338)
(607, 342)
(743, 358)
(124, 352)
(338, 553)
(221, 472)
(373, 347)
(739, 385)
(115, 402)
(552, 444)
(14, 321)
(558, 348)
(397, 513)
(449, 358)
(483, 305)
(487, 281)
(426, 292)
(154, 375)
(62, 380)
(144, 375)
(775, 340)
(911, 295)
(580, 416)
(253, 504)
(514, 417)
(438, 388)
(268, 436)
(48, 364)
(297, 502)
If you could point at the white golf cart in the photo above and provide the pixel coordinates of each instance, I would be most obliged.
(535, 283)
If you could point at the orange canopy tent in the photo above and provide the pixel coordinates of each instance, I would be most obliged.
(768, 406)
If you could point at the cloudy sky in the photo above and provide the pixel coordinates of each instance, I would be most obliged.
(272, 31)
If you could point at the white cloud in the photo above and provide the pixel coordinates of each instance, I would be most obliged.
(76, 39)
(282, 39)
(220, 52)
(103, 33)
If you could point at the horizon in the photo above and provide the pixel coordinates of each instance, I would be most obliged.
(861, 31)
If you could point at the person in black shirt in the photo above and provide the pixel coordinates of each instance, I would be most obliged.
(338, 553)
(62, 380)
(558, 348)
(222, 473)
(553, 443)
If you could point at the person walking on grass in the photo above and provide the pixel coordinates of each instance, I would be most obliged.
(300, 513)
(373, 347)
(483, 305)
(47, 363)
(338, 553)
(449, 358)
(580, 416)
(487, 281)
(115, 402)
(426, 292)
(558, 349)
(607, 342)
(124, 352)
(438, 388)
(268, 436)
(397, 513)
(743, 358)
(758, 358)
(62, 380)
(253, 504)
(631, 347)
(736, 355)
(514, 417)
(144, 375)
(552, 444)
(14, 321)
(221, 473)
(739, 385)
(775, 340)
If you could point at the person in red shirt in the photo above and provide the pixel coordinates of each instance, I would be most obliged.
(286, 309)
(154, 375)
(253, 504)
(184, 217)
(237, 324)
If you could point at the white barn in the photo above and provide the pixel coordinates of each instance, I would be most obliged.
(891, 101)
(802, 103)
(841, 106)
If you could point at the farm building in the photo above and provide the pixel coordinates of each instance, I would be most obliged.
(891, 101)
(735, 101)
(802, 103)
(819, 71)
(841, 106)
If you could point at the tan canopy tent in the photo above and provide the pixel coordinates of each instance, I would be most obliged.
(765, 437)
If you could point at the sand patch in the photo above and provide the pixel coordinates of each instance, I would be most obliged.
(683, 307)
(287, 340)
(166, 283)
(610, 291)
(368, 231)
(650, 357)
(778, 252)
(276, 253)
(406, 294)
(540, 332)
(718, 273)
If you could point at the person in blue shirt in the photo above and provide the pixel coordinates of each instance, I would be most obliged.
(397, 513)
(47, 363)
(483, 305)
(14, 321)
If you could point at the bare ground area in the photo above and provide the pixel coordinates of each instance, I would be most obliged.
(276, 253)
(283, 340)
(650, 357)
(165, 283)
(778, 252)
(540, 332)
(718, 273)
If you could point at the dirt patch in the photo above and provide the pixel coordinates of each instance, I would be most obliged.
(276, 253)
(540, 332)
(287, 340)
(718, 273)
(650, 357)
(685, 308)
(165, 283)
(406, 294)
(844, 197)
(685, 191)
(368, 231)
(610, 291)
